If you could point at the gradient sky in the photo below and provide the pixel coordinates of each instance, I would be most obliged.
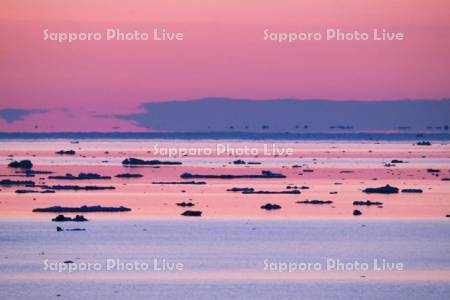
(223, 55)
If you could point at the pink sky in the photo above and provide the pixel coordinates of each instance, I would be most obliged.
(223, 54)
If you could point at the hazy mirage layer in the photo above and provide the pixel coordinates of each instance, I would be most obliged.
(226, 115)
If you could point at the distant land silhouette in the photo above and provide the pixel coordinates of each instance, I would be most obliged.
(289, 115)
(13, 114)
